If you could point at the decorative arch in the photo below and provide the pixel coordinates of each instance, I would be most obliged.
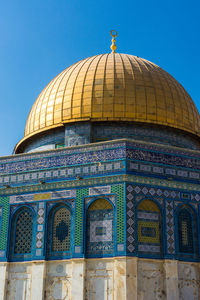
(149, 228)
(100, 229)
(59, 232)
(21, 241)
(186, 229)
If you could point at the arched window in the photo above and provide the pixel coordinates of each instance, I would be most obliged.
(100, 229)
(149, 228)
(186, 229)
(59, 232)
(21, 233)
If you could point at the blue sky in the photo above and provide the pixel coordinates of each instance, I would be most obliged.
(38, 39)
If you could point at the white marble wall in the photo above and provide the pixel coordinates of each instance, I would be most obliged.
(100, 279)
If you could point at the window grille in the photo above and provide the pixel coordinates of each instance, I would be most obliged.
(59, 232)
(22, 232)
(185, 231)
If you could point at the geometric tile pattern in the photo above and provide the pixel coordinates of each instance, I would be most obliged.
(4, 203)
(170, 227)
(119, 190)
(195, 197)
(130, 219)
(153, 192)
(40, 226)
(81, 193)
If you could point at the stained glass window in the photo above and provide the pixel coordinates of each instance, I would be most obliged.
(149, 228)
(100, 228)
(185, 231)
(22, 232)
(59, 231)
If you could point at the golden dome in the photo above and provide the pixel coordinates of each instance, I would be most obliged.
(113, 87)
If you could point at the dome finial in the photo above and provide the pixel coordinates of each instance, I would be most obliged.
(113, 47)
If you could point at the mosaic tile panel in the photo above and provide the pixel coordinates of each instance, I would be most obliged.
(118, 189)
(4, 203)
(62, 194)
(135, 150)
(170, 227)
(130, 219)
(64, 173)
(157, 135)
(105, 152)
(77, 134)
(99, 190)
(149, 228)
(163, 158)
(81, 193)
(61, 160)
(100, 229)
(166, 171)
(102, 180)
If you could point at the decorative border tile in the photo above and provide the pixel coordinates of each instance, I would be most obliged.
(170, 226)
(43, 196)
(99, 190)
(130, 219)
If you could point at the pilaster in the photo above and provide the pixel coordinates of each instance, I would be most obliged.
(119, 280)
(38, 280)
(171, 279)
(3, 277)
(131, 278)
(78, 280)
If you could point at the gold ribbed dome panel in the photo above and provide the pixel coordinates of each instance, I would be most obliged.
(113, 87)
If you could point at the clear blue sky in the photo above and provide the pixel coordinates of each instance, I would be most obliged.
(38, 39)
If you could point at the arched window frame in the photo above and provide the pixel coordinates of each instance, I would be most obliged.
(12, 235)
(114, 224)
(51, 213)
(194, 227)
(162, 240)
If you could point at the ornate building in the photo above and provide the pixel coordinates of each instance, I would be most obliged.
(101, 200)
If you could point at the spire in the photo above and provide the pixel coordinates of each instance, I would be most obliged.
(113, 47)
